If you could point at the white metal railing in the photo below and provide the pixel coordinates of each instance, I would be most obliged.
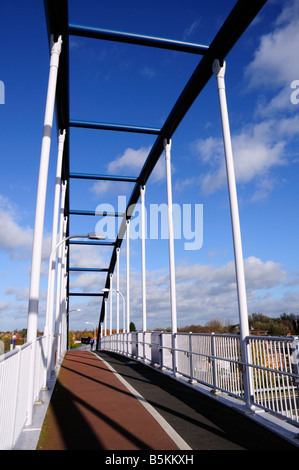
(14, 386)
(214, 360)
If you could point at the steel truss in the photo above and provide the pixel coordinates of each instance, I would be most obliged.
(58, 26)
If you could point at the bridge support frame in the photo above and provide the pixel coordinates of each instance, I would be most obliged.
(39, 217)
(219, 71)
(52, 266)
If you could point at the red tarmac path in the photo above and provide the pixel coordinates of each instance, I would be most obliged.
(92, 409)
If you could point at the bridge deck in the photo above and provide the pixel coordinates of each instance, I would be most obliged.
(94, 406)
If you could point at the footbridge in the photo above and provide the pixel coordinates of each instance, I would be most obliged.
(141, 390)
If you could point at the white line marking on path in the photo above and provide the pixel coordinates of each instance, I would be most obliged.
(182, 445)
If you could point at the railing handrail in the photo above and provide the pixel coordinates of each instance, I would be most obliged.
(280, 380)
(16, 350)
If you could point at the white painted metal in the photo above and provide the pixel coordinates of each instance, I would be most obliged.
(14, 388)
(143, 274)
(110, 295)
(219, 72)
(167, 146)
(59, 266)
(48, 330)
(40, 214)
(128, 274)
(117, 288)
(105, 300)
(63, 302)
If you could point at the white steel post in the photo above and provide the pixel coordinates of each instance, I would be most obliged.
(60, 289)
(110, 295)
(219, 72)
(167, 146)
(142, 191)
(128, 275)
(39, 219)
(52, 265)
(59, 266)
(105, 304)
(63, 328)
(117, 288)
(63, 298)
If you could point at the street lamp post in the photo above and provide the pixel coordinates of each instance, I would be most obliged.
(68, 324)
(124, 304)
(89, 322)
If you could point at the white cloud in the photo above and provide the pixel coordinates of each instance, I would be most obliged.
(256, 150)
(88, 256)
(262, 147)
(14, 238)
(191, 29)
(129, 163)
(206, 292)
(148, 72)
(275, 63)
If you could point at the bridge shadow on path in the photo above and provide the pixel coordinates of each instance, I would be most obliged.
(91, 409)
(201, 421)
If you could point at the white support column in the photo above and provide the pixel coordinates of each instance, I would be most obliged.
(110, 295)
(48, 330)
(105, 310)
(39, 219)
(61, 340)
(143, 277)
(219, 72)
(117, 288)
(41, 194)
(128, 275)
(63, 321)
(59, 267)
(167, 146)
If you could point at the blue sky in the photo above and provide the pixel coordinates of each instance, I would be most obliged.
(125, 84)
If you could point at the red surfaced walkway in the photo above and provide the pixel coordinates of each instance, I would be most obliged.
(93, 409)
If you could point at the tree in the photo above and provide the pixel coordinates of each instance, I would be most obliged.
(132, 326)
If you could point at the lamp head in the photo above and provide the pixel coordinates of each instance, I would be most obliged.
(96, 236)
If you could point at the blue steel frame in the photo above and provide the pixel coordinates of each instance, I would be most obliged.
(56, 12)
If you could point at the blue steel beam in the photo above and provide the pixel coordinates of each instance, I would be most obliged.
(90, 242)
(113, 127)
(96, 213)
(99, 270)
(128, 179)
(138, 39)
(86, 294)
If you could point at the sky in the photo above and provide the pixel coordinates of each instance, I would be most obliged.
(127, 84)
